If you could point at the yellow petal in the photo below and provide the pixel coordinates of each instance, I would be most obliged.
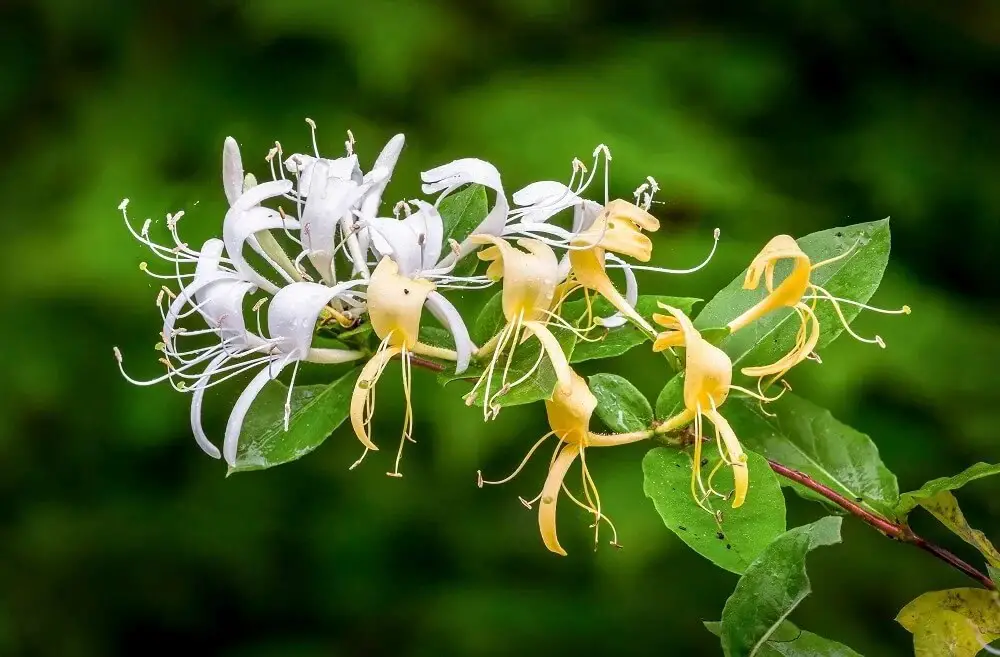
(529, 276)
(788, 293)
(668, 339)
(553, 350)
(589, 271)
(570, 409)
(550, 497)
(796, 355)
(395, 303)
(741, 474)
(363, 389)
(708, 370)
(622, 209)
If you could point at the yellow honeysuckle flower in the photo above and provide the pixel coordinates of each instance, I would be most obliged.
(707, 382)
(395, 304)
(569, 413)
(793, 292)
(529, 284)
(618, 228)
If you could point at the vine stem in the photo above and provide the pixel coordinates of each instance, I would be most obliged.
(897, 531)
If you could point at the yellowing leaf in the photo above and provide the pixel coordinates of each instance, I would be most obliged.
(945, 508)
(952, 623)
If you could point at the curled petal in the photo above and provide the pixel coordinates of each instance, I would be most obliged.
(363, 390)
(384, 164)
(543, 199)
(554, 351)
(395, 303)
(591, 274)
(396, 240)
(257, 194)
(741, 474)
(232, 171)
(239, 225)
(197, 401)
(550, 497)
(447, 314)
(427, 225)
(235, 424)
(631, 295)
(449, 177)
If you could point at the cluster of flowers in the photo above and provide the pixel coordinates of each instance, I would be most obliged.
(337, 261)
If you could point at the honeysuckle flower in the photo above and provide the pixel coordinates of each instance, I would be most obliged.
(529, 285)
(569, 412)
(794, 292)
(707, 383)
(334, 194)
(449, 177)
(216, 293)
(414, 244)
(598, 232)
(395, 304)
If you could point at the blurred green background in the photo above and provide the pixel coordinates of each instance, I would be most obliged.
(117, 535)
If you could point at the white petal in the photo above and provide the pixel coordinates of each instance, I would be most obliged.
(239, 225)
(292, 314)
(548, 198)
(468, 171)
(257, 195)
(585, 214)
(221, 304)
(235, 424)
(197, 400)
(330, 198)
(427, 222)
(232, 170)
(344, 168)
(384, 164)
(395, 239)
(447, 314)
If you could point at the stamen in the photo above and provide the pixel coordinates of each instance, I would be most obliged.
(843, 255)
(312, 130)
(843, 320)
(479, 473)
(663, 270)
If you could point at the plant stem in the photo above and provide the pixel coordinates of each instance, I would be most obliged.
(896, 531)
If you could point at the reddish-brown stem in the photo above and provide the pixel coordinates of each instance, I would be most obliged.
(899, 532)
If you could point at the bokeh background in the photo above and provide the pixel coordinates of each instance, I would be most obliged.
(117, 535)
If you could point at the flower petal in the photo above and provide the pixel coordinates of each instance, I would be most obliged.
(294, 310)
(363, 389)
(384, 165)
(631, 295)
(232, 171)
(330, 198)
(543, 199)
(256, 195)
(396, 240)
(465, 171)
(235, 424)
(239, 225)
(564, 374)
(550, 497)
(427, 224)
(447, 314)
(197, 400)
(741, 475)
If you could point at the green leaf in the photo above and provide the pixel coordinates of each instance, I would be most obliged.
(620, 405)
(616, 341)
(909, 500)
(855, 277)
(789, 641)
(462, 213)
(317, 410)
(743, 533)
(944, 507)
(670, 401)
(953, 623)
(772, 587)
(806, 437)
(490, 320)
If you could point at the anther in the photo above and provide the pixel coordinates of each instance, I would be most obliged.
(906, 310)
(312, 124)
(879, 341)
(260, 302)
(479, 478)
(525, 502)
(118, 352)
(123, 204)
(396, 475)
(456, 248)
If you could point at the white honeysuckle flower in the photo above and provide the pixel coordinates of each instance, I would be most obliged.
(245, 219)
(336, 193)
(291, 322)
(449, 177)
(235, 183)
